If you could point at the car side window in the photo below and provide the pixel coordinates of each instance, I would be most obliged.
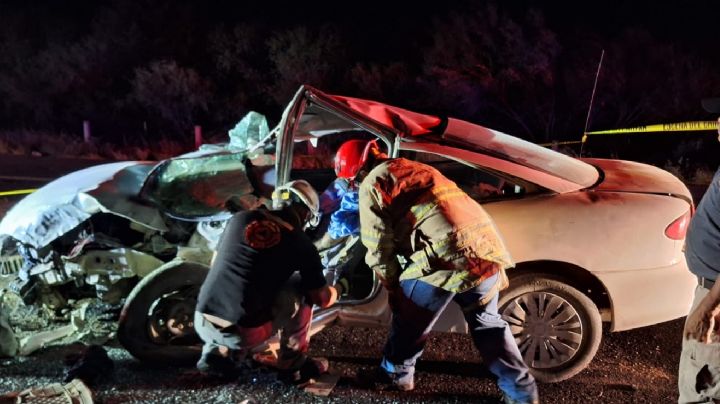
(481, 185)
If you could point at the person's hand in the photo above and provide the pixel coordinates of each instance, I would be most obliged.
(324, 297)
(702, 323)
(333, 296)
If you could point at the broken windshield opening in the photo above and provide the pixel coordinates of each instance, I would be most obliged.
(189, 188)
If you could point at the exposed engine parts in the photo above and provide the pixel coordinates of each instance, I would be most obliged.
(74, 287)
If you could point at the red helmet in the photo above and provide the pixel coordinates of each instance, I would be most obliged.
(352, 155)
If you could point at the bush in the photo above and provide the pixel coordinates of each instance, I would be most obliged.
(702, 175)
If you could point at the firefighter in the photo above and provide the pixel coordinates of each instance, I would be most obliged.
(252, 289)
(451, 251)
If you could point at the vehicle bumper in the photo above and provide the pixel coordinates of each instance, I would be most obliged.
(650, 296)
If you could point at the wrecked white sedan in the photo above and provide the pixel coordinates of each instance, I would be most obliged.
(594, 240)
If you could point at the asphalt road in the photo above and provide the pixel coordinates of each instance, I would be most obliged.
(638, 366)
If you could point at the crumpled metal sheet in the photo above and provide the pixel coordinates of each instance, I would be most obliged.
(74, 392)
(59, 192)
(117, 196)
(63, 204)
(51, 224)
(29, 328)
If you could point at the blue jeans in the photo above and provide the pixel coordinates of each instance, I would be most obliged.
(418, 308)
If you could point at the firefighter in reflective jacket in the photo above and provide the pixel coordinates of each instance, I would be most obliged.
(450, 250)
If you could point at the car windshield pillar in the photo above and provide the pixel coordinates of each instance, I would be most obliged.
(288, 125)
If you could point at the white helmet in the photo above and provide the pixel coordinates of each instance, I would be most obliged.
(299, 191)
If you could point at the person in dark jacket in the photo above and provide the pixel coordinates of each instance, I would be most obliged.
(265, 277)
(699, 369)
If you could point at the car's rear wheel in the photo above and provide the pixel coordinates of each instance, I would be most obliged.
(156, 323)
(557, 328)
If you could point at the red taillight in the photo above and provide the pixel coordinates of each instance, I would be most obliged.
(677, 229)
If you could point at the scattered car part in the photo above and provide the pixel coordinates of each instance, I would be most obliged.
(74, 392)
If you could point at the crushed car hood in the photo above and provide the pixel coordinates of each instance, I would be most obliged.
(63, 204)
(630, 176)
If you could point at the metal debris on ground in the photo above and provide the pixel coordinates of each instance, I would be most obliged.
(75, 392)
(324, 384)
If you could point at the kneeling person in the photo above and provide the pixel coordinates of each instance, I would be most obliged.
(252, 290)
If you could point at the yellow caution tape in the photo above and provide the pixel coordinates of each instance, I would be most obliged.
(663, 127)
(17, 192)
(560, 143)
(692, 126)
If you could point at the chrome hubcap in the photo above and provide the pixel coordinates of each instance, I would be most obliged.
(546, 327)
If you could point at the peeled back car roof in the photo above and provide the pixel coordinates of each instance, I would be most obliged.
(409, 124)
(504, 146)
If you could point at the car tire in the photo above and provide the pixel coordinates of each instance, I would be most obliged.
(556, 344)
(156, 321)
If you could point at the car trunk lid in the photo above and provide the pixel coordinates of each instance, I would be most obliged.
(630, 176)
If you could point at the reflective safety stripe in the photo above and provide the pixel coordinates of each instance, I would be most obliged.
(371, 239)
(462, 252)
(428, 201)
(450, 246)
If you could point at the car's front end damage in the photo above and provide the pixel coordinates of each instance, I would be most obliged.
(67, 257)
(73, 251)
